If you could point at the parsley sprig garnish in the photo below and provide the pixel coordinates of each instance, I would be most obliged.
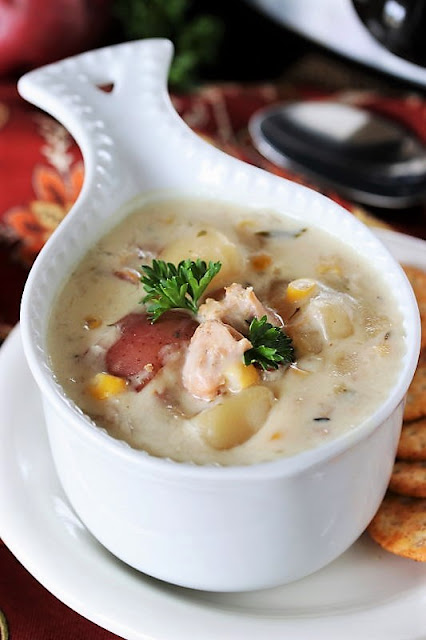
(271, 347)
(169, 286)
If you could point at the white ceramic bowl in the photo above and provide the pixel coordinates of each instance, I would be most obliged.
(233, 528)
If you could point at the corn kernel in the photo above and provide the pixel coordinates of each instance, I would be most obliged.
(239, 376)
(261, 261)
(92, 322)
(300, 289)
(104, 385)
(330, 267)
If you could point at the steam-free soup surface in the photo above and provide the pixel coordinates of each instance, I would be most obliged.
(179, 388)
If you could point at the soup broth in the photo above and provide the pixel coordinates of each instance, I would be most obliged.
(180, 388)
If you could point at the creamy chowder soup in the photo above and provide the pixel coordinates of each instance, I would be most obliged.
(202, 384)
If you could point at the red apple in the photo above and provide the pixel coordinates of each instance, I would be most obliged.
(36, 32)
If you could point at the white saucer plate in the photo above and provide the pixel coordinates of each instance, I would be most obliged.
(366, 593)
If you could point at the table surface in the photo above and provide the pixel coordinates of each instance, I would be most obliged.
(41, 173)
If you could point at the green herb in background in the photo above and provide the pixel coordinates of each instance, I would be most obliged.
(196, 36)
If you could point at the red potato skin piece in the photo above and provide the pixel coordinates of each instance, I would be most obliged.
(141, 342)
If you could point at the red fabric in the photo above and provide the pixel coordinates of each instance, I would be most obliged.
(41, 173)
(30, 612)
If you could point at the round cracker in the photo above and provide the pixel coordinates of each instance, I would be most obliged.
(416, 397)
(417, 278)
(399, 526)
(409, 479)
(412, 443)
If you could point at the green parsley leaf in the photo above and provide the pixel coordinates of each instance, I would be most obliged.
(169, 286)
(271, 347)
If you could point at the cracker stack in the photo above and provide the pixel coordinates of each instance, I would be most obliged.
(399, 525)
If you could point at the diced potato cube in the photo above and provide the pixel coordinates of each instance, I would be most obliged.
(335, 320)
(207, 244)
(324, 318)
(104, 385)
(301, 289)
(305, 341)
(234, 419)
(238, 376)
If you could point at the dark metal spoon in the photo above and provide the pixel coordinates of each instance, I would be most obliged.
(363, 156)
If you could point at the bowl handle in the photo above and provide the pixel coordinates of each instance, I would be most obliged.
(110, 93)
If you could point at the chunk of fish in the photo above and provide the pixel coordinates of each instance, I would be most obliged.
(237, 308)
(213, 349)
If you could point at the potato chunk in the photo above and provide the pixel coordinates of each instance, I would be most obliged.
(235, 418)
(325, 317)
(238, 376)
(335, 320)
(207, 244)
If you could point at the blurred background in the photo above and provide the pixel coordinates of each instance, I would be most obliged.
(238, 40)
